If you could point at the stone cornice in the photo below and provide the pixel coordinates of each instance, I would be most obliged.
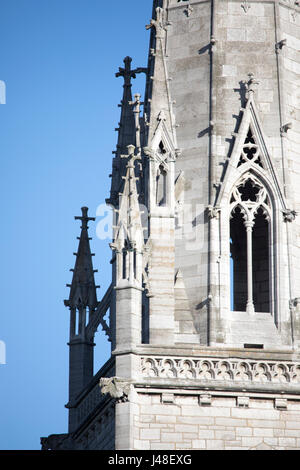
(193, 350)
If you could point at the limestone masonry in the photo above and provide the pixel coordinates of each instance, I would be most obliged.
(204, 303)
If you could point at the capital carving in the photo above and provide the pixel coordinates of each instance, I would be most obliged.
(115, 387)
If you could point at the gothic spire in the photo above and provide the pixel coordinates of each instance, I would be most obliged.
(128, 236)
(129, 227)
(129, 126)
(83, 288)
(126, 126)
(159, 101)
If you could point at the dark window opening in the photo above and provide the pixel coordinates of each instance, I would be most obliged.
(161, 186)
(124, 264)
(249, 191)
(250, 151)
(261, 268)
(260, 260)
(238, 252)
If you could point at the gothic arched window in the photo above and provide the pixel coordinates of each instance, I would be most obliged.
(250, 245)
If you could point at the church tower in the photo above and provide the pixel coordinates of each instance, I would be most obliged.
(205, 297)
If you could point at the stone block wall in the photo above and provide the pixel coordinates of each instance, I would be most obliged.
(204, 422)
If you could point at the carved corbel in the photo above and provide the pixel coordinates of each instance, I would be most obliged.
(149, 153)
(295, 303)
(116, 387)
(279, 45)
(178, 153)
(289, 215)
(285, 128)
(213, 211)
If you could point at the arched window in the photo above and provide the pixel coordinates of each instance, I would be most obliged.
(250, 246)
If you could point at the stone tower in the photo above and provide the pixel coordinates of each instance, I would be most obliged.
(205, 300)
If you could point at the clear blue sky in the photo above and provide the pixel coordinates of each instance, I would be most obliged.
(58, 59)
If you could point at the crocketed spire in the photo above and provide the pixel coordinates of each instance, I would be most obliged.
(83, 288)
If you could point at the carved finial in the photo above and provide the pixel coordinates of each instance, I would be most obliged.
(250, 84)
(84, 217)
(158, 23)
(126, 71)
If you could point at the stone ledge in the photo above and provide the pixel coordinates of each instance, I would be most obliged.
(196, 387)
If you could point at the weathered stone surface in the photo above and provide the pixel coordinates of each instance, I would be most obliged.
(214, 160)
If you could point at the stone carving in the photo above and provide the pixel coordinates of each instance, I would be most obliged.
(292, 2)
(220, 370)
(246, 6)
(289, 215)
(188, 10)
(284, 129)
(146, 266)
(116, 387)
(250, 84)
(213, 212)
(158, 24)
(279, 45)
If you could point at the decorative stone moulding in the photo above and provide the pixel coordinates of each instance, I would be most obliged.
(222, 370)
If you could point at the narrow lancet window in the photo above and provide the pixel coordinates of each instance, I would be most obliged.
(261, 264)
(250, 247)
(238, 251)
(161, 186)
